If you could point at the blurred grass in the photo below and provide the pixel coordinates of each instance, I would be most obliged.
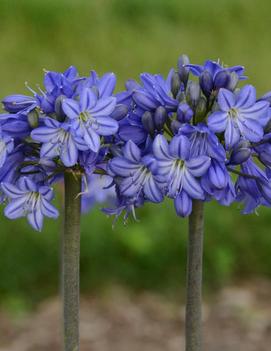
(129, 37)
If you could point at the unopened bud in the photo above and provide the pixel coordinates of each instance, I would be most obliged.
(206, 83)
(233, 81)
(120, 112)
(184, 113)
(182, 69)
(221, 79)
(160, 117)
(175, 84)
(175, 126)
(193, 93)
(201, 108)
(147, 121)
(240, 153)
(58, 107)
(33, 119)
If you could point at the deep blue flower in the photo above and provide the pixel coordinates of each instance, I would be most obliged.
(27, 199)
(213, 76)
(255, 189)
(138, 174)
(58, 139)
(17, 103)
(90, 117)
(156, 91)
(180, 172)
(239, 115)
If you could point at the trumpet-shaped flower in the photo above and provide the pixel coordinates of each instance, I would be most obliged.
(138, 174)
(90, 117)
(239, 115)
(180, 172)
(27, 199)
(58, 139)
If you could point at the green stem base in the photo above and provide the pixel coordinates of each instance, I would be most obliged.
(193, 327)
(70, 261)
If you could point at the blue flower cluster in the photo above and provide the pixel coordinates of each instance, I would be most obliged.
(194, 135)
(68, 126)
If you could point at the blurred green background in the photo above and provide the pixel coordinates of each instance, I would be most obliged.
(128, 37)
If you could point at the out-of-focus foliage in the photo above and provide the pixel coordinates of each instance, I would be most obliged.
(129, 37)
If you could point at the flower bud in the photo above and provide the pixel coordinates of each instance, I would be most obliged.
(221, 79)
(240, 153)
(184, 113)
(181, 96)
(58, 107)
(175, 84)
(193, 93)
(201, 108)
(160, 117)
(147, 121)
(33, 119)
(233, 81)
(182, 69)
(120, 112)
(175, 126)
(206, 82)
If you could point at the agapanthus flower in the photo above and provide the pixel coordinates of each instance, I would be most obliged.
(27, 198)
(138, 174)
(181, 172)
(59, 139)
(239, 115)
(90, 117)
(213, 76)
(156, 91)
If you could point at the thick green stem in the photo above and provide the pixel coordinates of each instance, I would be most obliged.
(193, 326)
(70, 261)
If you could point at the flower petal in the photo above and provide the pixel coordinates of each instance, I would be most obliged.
(226, 99)
(192, 186)
(160, 148)
(183, 204)
(132, 152)
(35, 219)
(88, 99)
(199, 165)
(49, 150)
(106, 84)
(12, 191)
(122, 167)
(92, 139)
(48, 209)
(144, 100)
(71, 108)
(232, 134)
(251, 129)
(217, 121)
(246, 97)
(69, 152)
(104, 107)
(179, 147)
(152, 191)
(106, 126)
(15, 208)
(44, 134)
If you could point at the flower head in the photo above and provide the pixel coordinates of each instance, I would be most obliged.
(239, 115)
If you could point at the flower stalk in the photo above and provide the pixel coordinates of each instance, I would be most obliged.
(70, 261)
(193, 326)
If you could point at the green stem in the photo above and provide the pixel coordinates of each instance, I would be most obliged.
(70, 261)
(194, 279)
